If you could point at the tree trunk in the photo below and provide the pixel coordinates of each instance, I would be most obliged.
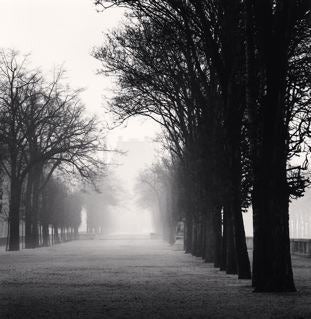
(45, 235)
(56, 235)
(233, 128)
(76, 233)
(188, 233)
(28, 211)
(223, 260)
(272, 269)
(35, 205)
(196, 249)
(199, 250)
(209, 238)
(204, 236)
(15, 197)
(267, 52)
(218, 237)
(194, 238)
(231, 263)
(243, 264)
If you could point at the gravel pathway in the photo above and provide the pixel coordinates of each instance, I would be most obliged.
(135, 278)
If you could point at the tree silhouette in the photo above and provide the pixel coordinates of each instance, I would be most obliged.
(44, 129)
(229, 74)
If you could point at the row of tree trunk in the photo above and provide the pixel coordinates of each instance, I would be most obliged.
(47, 236)
(220, 76)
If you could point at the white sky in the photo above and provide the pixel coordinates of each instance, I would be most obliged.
(64, 32)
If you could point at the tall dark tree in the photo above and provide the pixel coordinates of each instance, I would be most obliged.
(170, 61)
(234, 67)
(271, 34)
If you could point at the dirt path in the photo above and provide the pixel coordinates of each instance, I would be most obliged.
(135, 279)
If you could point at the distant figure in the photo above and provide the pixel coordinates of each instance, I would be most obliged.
(180, 230)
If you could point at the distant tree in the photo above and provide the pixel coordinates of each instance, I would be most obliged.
(60, 211)
(155, 191)
(98, 203)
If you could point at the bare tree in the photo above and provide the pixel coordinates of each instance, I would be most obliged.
(44, 129)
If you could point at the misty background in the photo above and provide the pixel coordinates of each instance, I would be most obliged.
(64, 33)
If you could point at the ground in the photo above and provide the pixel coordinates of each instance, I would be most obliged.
(135, 278)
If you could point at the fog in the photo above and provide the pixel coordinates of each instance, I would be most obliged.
(114, 208)
(135, 138)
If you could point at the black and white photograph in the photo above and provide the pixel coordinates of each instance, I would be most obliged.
(155, 159)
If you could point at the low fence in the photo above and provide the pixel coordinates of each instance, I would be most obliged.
(298, 246)
(301, 247)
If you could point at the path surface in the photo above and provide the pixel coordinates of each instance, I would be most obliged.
(135, 279)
